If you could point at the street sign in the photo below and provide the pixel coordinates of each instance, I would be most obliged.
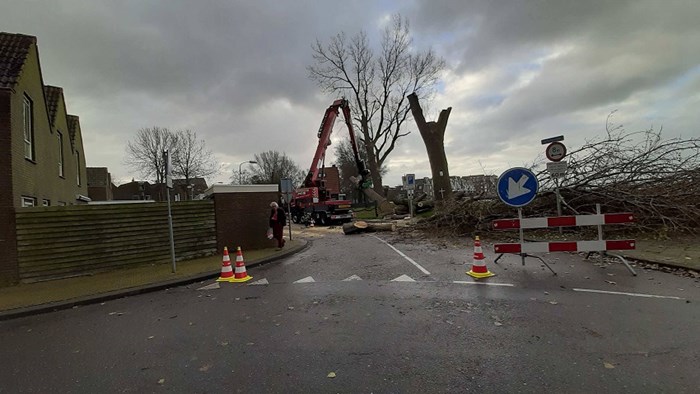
(517, 187)
(552, 139)
(557, 168)
(286, 188)
(410, 181)
(168, 169)
(555, 151)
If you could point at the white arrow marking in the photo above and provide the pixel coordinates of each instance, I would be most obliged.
(212, 286)
(403, 278)
(354, 277)
(262, 281)
(308, 279)
(517, 189)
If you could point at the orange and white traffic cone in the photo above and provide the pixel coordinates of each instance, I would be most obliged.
(311, 223)
(226, 270)
(479, 269)
(240, 274)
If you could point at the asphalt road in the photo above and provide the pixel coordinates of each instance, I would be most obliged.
(381, 314)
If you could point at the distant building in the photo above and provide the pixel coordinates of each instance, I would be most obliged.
(330, 176)
(99, 184)
(143, 190)
(42, 161)
(475, 185)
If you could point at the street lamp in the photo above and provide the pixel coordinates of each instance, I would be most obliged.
(240, 174)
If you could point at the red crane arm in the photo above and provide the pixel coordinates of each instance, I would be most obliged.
(324, 138)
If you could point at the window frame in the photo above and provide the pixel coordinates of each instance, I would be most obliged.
(61, 158)
(28, 201)
(28, 127)
(77, 167)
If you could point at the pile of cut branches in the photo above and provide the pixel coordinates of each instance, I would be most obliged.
(640, 172)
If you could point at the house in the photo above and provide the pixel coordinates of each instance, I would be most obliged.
(99, 184)
(42, 161)
(143, 190)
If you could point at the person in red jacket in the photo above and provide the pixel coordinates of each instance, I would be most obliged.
(278, 219)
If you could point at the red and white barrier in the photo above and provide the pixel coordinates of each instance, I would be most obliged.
(564, 246)
(599, 245)
(564, 221)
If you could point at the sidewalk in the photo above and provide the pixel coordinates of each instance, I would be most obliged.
(677, 252)
(31, 298)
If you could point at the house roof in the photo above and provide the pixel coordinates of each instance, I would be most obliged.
(14, 49)
(53, 95)
(73, 126)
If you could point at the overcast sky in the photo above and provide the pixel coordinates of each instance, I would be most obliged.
(235, 72)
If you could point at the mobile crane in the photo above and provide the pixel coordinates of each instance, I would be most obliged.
(312, 201)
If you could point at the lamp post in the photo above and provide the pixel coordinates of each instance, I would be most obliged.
(240, 173)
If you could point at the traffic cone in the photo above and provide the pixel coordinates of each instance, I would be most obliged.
(240, 274)
(479, 269)
(226, 270)
(311, 223)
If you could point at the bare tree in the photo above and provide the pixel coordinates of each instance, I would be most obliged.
(144, 154)
(191, 158)
(273, 166)
(377, 84)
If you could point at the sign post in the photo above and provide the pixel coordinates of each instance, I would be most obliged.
(169, 186)
(410, 187)
(555, 152)
(286, 187)
(517, 187)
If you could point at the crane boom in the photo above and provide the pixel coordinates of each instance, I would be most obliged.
(324, 139)
(313, 202)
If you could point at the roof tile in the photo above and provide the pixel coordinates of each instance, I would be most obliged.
(14, 49)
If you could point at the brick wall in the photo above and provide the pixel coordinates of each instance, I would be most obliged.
(8, 244)
(242, 218)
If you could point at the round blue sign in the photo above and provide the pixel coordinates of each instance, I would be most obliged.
(517, 186)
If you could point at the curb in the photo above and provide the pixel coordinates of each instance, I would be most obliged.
(132, 291)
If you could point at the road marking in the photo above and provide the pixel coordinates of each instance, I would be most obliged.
(308, 279)
(403, 278)
(262, 281)
(465, 282)
(627, 294)
(212, 286)
(425, 271)
(354, 277)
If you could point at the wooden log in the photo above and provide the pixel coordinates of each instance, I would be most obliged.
(426, 204)
(364, 227)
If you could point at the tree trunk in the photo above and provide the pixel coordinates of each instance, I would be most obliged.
(372, 164)
(365, 227)
(433, 134)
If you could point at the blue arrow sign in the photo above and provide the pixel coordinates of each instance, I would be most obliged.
(517, 187)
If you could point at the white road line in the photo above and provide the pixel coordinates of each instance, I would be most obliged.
(262, 281)
(354, 277)
(465, 282)
(627, 294)
(212, 286)
(403, 278)
(410, 260)
(308, 279)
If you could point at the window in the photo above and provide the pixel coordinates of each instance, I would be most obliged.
(28, 201)
(77, 167)
(60, 153)
(27, 112)
(45, 203)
